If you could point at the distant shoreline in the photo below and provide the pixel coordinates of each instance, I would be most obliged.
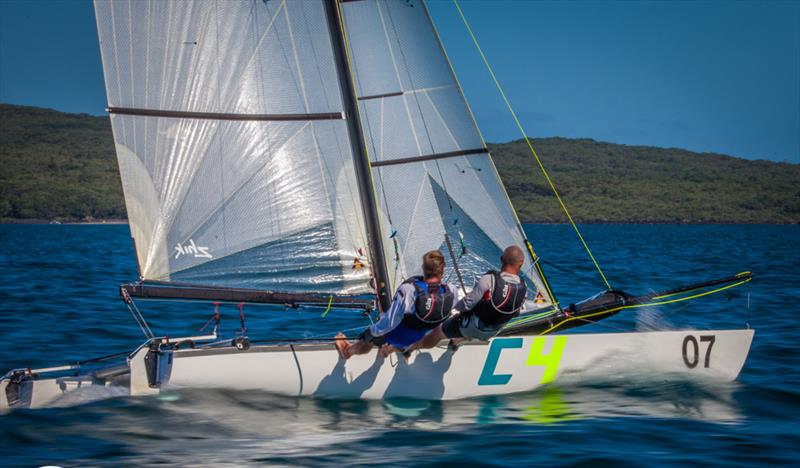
(49, 221)
(608, 223)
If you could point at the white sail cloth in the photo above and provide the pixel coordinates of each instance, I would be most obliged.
(215, 197)
(412, 109)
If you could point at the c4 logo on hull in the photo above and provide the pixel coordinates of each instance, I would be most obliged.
(536, 358)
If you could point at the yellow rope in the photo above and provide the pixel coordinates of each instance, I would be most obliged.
(530, 146)
(534, 257)
(744, 273)
(328, 309)
(648, 304)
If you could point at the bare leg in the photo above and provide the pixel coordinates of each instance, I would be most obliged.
(359, 347)
(347, 349)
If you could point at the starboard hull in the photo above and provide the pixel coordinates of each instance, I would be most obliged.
(504, 365)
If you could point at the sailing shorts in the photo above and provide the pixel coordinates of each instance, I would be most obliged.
(466, 325)
(402, 336)
(367, 337)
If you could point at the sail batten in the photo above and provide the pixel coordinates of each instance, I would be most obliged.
(430, 157)
(224, 116)
(378, 96)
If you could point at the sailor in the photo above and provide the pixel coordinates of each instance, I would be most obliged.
(496, 298)
(420, 305)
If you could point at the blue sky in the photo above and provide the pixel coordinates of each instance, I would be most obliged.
(705, 76)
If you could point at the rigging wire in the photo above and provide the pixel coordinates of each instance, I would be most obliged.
(427, 134)
(528, 245)
(137, 315)
(530, 145)
(455, 262)
(379, 153)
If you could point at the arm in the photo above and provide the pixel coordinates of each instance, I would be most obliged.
(402, 302)
(470, 300)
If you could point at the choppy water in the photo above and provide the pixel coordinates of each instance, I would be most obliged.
(58, 295)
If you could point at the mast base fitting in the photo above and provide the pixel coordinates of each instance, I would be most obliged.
(241, 343)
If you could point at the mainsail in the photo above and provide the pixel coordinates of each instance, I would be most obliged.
(235, 158)
(433, 174)
(297, 146)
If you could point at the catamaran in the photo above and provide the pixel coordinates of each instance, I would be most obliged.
(306, 154)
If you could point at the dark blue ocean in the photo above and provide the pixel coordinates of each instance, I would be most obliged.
(59, 302)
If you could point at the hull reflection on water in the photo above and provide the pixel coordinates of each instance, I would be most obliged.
(240, 411)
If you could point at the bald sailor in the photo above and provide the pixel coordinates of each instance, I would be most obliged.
(496, 298)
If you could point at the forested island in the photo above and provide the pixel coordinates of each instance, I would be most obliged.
(60, 166)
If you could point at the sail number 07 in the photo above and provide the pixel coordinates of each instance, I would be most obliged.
(691, 350)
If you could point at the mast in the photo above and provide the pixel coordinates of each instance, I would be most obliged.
(360, 161)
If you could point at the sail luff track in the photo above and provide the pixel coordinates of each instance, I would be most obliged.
(224, 116)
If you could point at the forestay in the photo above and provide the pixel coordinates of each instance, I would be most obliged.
(432, 172)
(232, 144)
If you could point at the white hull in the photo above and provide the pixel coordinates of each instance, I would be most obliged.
(504, 365)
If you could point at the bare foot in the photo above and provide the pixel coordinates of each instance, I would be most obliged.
(342, 345)
(386, 350)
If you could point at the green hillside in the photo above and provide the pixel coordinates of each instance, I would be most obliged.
(57, 165)
(605, 182)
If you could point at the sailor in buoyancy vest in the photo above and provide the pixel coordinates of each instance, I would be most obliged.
(421, 304)
(496, 298)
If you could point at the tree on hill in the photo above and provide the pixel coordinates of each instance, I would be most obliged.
(63, 166)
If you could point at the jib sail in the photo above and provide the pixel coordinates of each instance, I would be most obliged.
(433, 173)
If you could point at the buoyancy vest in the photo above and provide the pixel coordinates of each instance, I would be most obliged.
(502, 303)
(433, 305)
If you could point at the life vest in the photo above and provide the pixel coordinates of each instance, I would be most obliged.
(431, 307)
(501, 304)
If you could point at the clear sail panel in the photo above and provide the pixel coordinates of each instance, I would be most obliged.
(235, 158)
(433, 175)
